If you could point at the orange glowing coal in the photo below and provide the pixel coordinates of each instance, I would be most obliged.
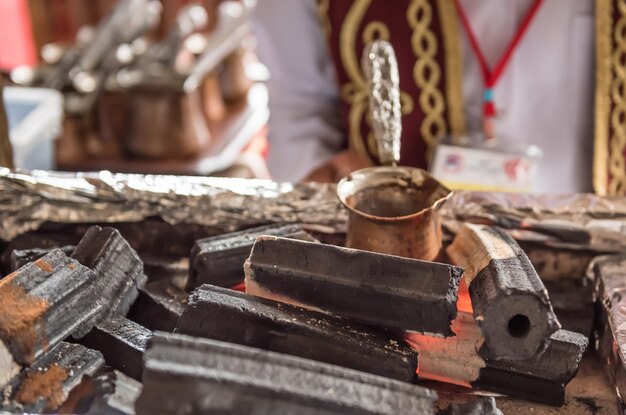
(464, 302)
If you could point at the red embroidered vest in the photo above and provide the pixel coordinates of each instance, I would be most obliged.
(424, 34)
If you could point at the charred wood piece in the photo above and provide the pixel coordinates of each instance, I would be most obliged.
(607, 274)
(159, 306)
(47, 383)
(456, 360)
(219, 260)
(226, 315)
(122, 343)
(41, 304)
(191, 375)
(19, 258)
(118, 268)
(510, 302)
(377, 289)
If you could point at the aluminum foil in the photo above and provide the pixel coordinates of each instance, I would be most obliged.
(574, 221)
(28, 199)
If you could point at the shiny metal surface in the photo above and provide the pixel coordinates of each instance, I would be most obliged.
(28, 199)
(380, 68)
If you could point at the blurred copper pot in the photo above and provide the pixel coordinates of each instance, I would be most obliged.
(166, 124)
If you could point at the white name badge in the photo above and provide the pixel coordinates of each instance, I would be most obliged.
(465, 168)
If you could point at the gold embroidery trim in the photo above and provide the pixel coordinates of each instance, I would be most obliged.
(427, 74)
(609, 165)
(604, 12)
(355, 92)
(617, 164)
(453, 68)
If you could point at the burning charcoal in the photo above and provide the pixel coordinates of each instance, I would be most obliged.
(19, 258)
(184, 374)
(509, 300)
(122, 342)
(46, 384)
(573, 306)
(541, 379)
(118, 268)
(608, 273)
(482, 406)
(226, 315)
(218, 260)
(455, 360)
(159, 306)
(377, 289)
(108, 392)
(41, 304)
(559, 363)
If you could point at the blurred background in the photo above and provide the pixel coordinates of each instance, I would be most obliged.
(136, 86)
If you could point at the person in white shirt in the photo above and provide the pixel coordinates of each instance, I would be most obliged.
(544, 96)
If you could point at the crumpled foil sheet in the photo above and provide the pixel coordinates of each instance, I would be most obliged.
(571, 221)
(28, 199)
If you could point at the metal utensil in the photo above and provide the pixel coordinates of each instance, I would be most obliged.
(392, 210)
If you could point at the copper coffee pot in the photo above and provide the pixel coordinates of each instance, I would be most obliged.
(392, 210)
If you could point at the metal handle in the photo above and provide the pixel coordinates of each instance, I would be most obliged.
(380, 67)
(190, 19)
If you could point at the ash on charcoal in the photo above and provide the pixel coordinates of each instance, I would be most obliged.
(456, 360)
(509, 301)
(159, 306)
(187, 375)
(376, 289)
(47, 383)
(118, 268)
(122, 343)
(41, 304)
(226, 315)
(218, 260)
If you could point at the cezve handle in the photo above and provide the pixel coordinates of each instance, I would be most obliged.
(380, 67)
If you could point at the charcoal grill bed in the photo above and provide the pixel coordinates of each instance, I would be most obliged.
(163, 216)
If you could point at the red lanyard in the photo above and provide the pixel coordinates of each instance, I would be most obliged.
(491, 77)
